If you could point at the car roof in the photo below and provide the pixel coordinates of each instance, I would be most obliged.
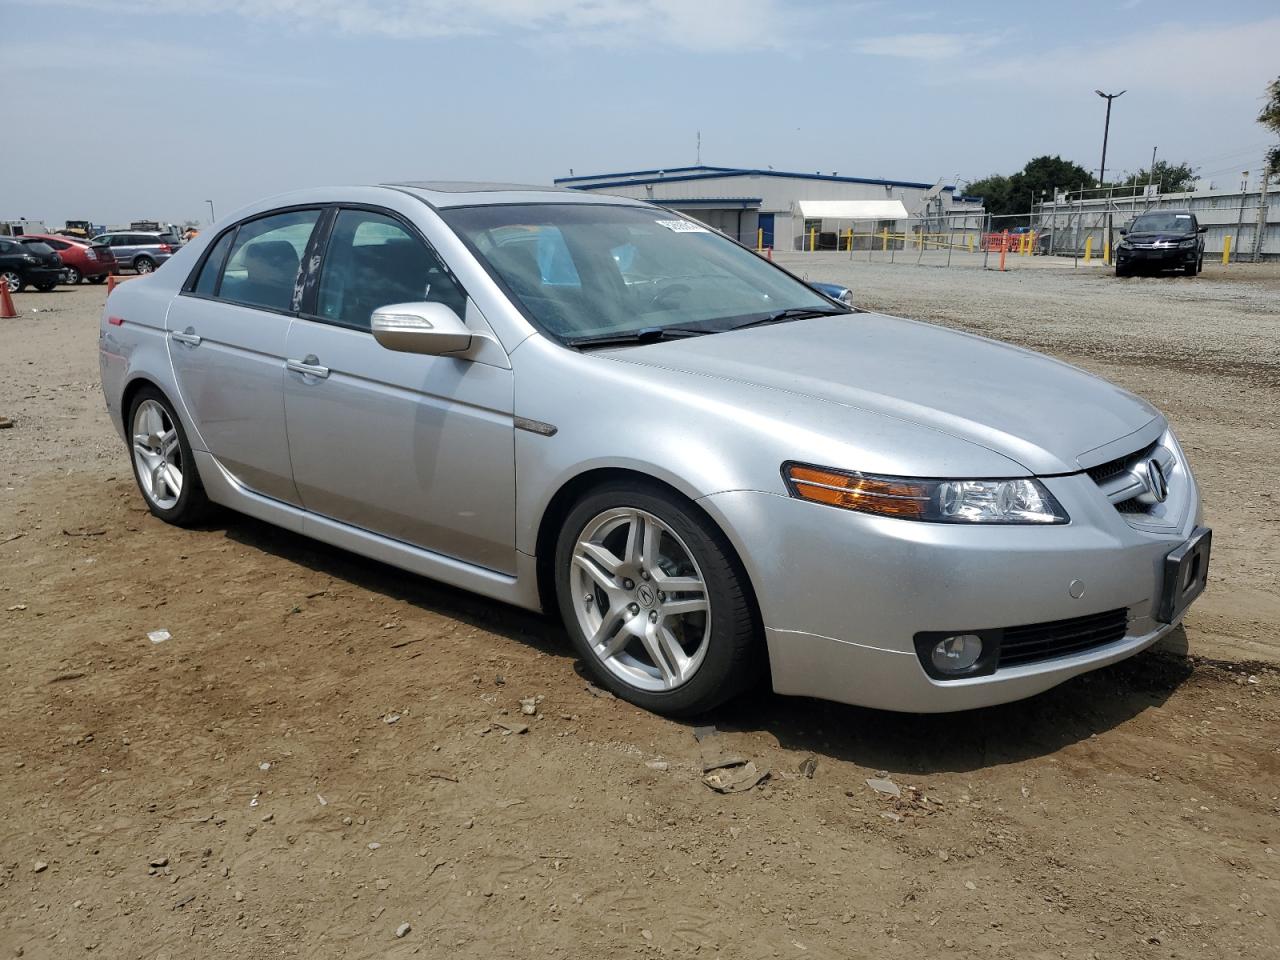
(466, 193)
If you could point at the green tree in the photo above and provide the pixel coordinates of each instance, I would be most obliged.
(1013, 195)
(1270, 118)
(1169, 177)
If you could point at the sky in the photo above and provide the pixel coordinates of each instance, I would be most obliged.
(121, 110)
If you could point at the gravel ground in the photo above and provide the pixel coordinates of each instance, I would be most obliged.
(316, 757)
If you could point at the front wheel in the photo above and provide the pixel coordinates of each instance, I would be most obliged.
(1191, 269)
(162, 461)
(13, 280)
(144, 265)
(655, 601)
(45, 287)
(1123, 270)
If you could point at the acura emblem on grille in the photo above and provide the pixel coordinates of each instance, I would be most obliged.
(1157, 483)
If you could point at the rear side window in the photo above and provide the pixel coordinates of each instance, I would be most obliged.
(262, 270)
(207, 283)
(373, 260)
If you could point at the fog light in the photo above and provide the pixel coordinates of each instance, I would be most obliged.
(957, 654)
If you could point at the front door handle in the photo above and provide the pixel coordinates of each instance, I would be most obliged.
(187, 336)
(308, 366)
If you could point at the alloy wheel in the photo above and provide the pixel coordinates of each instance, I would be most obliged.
(72, 276)
(640, 599)
(11, 280)
(144, 266)
(157, 454)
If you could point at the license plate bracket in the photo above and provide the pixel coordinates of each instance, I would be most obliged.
(1186, 571)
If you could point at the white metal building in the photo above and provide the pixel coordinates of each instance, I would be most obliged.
(780, 209)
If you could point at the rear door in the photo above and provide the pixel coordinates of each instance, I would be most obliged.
(227, 334)
(412, 447)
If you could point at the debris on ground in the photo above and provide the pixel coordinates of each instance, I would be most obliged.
(701, 733)
(6, 423)
(885, 786)
(808, 767)
(736, 778)
(657, 764)
(597, 692)
(40, 866)
(401, 930)
(529, 706)
(16, 607)
(390, 718)
(159, 636)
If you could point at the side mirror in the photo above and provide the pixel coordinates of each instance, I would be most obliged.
(427, 328)
(1123, 231)
(1203, 228)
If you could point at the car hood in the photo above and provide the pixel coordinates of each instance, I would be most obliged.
(1166, 235)
(1032, 409)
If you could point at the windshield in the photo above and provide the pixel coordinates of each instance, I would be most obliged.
(1162, 223)
(583, 271)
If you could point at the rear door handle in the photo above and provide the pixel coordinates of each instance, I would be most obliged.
(187, 336)
(308, 366)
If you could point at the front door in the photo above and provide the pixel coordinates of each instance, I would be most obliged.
(227, 338)
(416, 448)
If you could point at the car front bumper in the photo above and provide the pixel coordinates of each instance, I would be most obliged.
(842, 594)
(1156, 257)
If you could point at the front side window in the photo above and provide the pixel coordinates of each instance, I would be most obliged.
(373, 260)
(586, 271)
(262, 270)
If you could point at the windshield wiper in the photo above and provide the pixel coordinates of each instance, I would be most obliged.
(791, 313)
(643, 335)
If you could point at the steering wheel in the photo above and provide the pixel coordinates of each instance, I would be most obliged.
(660, 301)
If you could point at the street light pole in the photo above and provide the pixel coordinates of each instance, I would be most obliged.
(1106, 130)
(213, 216)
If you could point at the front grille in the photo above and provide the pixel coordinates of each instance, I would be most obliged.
(1113, 468)
(1043, 641)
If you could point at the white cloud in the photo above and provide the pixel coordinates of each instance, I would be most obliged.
(690, 24)
(925, 46)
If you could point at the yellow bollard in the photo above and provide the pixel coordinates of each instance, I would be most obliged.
(812, 234)
(1088, 248)
(971, 243)
(1226, 250)
(1031, 243)
(760, 238)
(884, 240)
(1106, 252)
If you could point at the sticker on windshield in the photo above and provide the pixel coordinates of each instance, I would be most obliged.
(682, 226)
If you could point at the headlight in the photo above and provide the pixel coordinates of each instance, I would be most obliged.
(1187, 244)
(1021, 500)
(1126, 244)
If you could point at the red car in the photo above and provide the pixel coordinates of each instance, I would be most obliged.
(80, 258)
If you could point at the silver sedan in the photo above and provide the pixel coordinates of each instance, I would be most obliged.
(714, 472)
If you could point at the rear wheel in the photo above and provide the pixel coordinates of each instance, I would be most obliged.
(13, 280)
(655, 601)
(72, 275)
(162, 461)
(144, 265)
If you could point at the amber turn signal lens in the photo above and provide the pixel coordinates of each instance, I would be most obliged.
(889, 498)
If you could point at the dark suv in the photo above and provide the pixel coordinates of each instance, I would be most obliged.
(31, 263)
(1161, 240)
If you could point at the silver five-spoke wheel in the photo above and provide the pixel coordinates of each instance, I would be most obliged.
(157, 454)
(641, 599)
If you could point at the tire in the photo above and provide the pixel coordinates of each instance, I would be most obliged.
(100, 278)
(1123, 271)
(144, 265)
(1191, 269)
(72, 276)
(14, 280)
(45, 287)
(156, 439)
(695, 644)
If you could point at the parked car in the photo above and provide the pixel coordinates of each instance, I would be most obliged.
(29, 262)
(593, 405)
(1161, 240)
(80, 258)
(140, 252)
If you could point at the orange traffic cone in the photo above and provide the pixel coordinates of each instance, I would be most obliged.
(7, 311)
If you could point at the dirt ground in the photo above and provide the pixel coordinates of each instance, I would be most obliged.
(315, 756)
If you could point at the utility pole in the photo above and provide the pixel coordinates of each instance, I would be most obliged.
(1102, 167)
(699, 148)
(1244, 185)
(1106, 130)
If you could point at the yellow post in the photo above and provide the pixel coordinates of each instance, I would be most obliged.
(1088, 248)
(760, 238)
(971, 243)
(1106, 251)
(813, 231)
(1031, 243)
(1226, 250)
(851, 238)
(884, 240)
